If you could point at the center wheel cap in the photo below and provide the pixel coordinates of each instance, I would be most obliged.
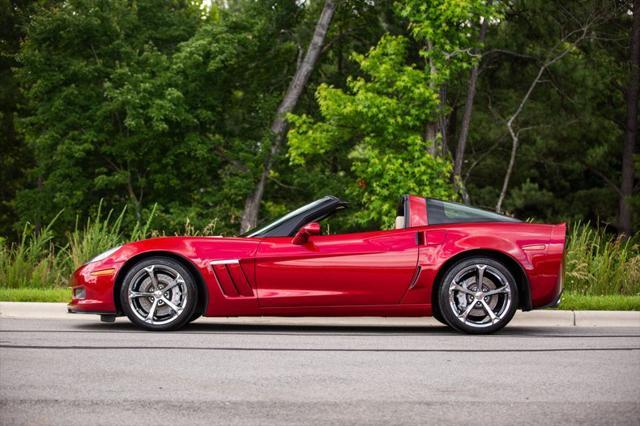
(157, 294)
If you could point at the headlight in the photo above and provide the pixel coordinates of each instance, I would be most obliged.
(103, 256)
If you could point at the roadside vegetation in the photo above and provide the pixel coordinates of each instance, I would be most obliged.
(602, 271)
(599, 264)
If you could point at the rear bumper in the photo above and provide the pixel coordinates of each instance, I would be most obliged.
(554, 303)
(551, 279)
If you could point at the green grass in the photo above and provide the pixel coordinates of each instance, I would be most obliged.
(598, 263)
(570, 301)
(35, 294)
(614, 302)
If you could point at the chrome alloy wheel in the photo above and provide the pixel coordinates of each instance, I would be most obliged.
(480, 296)
(157, 294)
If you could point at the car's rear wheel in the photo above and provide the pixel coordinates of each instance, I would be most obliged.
(478, 295)
(159, 293)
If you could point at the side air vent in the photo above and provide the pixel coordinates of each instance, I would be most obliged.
(231, 278)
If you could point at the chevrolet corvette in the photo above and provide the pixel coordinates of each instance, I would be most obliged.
(469, 268)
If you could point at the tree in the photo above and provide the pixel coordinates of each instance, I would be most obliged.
(279, 125)
(631, 128)
(555, 54)
(99, 108)
(382, 117)
(569, 153)
(15, 156)
(466, 117)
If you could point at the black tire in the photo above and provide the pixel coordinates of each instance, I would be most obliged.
(467, 310)
(194, 317)
(173, 308)
(435, 312)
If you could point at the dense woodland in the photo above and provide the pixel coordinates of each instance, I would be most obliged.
(232, 112)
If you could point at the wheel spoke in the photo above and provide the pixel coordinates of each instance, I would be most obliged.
(481, 269)
(150, 271)
(492, 315)
(465, 314)
(170, 304)
(458, 287)
(134, 294)
(175, 282)
(152, 311)
(504, 289)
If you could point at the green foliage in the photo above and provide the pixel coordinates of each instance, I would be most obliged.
(31, 262)
(599, 264)
(36, 261)
(381, 118)
(446, 31)
(573, 124)
(169, 103)
(150, 103)
(100, 234)
(378, 123)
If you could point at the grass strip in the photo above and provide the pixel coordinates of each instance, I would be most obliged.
(35, 294)
(612, 302)
(570, 301)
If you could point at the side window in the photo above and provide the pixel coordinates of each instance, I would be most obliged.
(441, 212)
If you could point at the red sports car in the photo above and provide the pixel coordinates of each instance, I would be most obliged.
(469, 268)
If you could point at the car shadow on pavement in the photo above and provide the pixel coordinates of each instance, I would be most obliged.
(213, 328)
(122, 325)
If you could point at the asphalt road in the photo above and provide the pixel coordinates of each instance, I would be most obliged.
(72, 372)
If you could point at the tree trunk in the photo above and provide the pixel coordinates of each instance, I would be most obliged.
(279, 125)
(631, 130)
(507, 176)
(515, 134)
(431, 134)
(466, 120)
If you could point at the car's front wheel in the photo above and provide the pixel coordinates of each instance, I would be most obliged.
(478, 295)
(159, 294)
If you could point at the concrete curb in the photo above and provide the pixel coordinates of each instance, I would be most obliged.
(543, 318)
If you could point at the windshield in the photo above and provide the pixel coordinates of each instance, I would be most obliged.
(259, 231)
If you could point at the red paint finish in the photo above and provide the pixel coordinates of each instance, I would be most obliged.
(417, 212)
(390, 273)
(355, 269)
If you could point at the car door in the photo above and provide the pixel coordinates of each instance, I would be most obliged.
(373, 268)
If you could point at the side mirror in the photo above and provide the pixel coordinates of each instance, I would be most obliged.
(305, 232)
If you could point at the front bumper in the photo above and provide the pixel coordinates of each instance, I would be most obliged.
(92, 289)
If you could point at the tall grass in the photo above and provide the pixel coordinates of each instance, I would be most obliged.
(35, 261)
(32, 262)
(598, 263)
(96, 236)
(100, 234)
